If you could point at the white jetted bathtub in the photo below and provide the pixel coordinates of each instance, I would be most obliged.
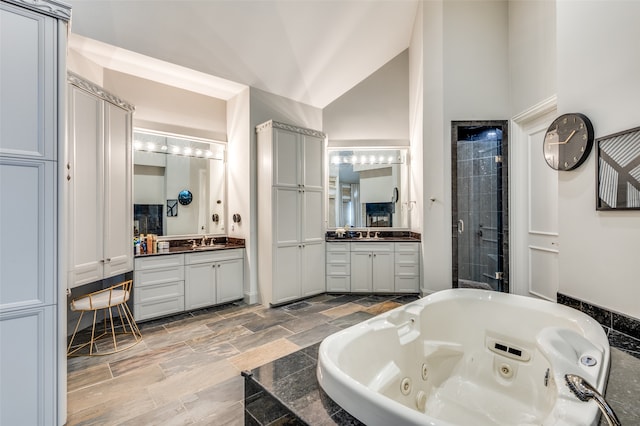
(467, 357)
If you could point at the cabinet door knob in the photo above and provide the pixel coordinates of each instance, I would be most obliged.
(108, 259)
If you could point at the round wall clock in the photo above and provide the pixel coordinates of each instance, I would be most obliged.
(568, 141)
(185, 197)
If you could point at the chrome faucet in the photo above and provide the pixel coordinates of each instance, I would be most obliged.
(375, 237)
(584, 392)
(193, 244)
(204, 241)
(368, 234)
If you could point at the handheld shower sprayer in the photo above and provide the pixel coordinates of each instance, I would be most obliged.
(584, 392)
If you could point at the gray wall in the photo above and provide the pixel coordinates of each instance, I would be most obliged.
(170, 109)
(375, 109)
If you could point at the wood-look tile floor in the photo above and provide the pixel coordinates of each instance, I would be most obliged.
(186, 370)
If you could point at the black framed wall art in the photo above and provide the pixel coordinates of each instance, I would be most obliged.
(618, 171)
(172, 208)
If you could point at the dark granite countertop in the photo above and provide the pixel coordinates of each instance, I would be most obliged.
(287, 390)
(383, 237)
(372, 240)
(186, 247)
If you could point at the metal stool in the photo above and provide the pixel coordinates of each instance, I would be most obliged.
(113, 337)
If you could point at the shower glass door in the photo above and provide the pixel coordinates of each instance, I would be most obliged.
(480, 205)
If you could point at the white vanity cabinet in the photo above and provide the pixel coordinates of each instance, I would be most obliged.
(170, 283)
(213, 277)
(158, 286)
(291, 203)
(372, 267)
(33, 38)
(338, 267)
(99, 175)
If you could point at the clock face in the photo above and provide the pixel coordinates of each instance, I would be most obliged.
(568, 141)
(185, 197)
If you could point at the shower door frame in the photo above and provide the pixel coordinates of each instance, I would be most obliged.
(503, 237)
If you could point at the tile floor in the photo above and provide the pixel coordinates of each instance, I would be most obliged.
(186, 370)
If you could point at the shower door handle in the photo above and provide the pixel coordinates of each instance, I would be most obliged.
(460, 226)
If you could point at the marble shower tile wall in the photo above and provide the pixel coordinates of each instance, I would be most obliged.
(623, 331)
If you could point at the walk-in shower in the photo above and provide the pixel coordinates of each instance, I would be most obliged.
(480, 204)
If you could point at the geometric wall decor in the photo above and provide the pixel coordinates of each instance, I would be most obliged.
(172, 208)
(618, 185)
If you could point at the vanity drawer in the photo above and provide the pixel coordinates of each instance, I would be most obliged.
(213, 256)
(146, 277)
(338, 257)
(338, 284)
(158, 308)
(407, 257)
(338, 269)
(159, 261)
(406, 284)
(407, 247)
(338, 247)
(151, 293)
(407, 269)
(379, 247)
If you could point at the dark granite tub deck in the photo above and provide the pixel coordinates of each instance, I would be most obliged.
(286, 392)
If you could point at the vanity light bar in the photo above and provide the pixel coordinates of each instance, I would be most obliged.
(173, 149)
(372, 159)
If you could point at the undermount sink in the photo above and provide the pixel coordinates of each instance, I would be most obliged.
(215, 246)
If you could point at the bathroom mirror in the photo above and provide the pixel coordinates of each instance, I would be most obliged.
(367, 188)
(179, 184)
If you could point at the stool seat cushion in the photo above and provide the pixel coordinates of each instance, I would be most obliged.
(100, 300)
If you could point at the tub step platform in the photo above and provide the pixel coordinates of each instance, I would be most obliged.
(295, 399)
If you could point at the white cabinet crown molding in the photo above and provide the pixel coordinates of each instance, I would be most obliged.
(54, 8)
(271, 124)
(98, 91)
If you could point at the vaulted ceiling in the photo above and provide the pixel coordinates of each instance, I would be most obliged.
(311, 51)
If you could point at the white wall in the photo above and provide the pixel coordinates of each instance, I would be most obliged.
(598, 75)
(532, 53)
(239, 187)
(465, 77)
(416, 112)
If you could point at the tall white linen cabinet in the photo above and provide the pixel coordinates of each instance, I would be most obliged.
(33, 38)
(291, 252)
(99, 172)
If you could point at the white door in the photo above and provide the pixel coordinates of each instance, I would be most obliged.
(118, 214)
(361, 279)
(313, 269)
(86, 209)
(312, 228)
(535, 209)
(229, 279)
(313, 164)
(383, 272)
(286, 277)
(286, 215)
(286, 154)
(200, 285)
